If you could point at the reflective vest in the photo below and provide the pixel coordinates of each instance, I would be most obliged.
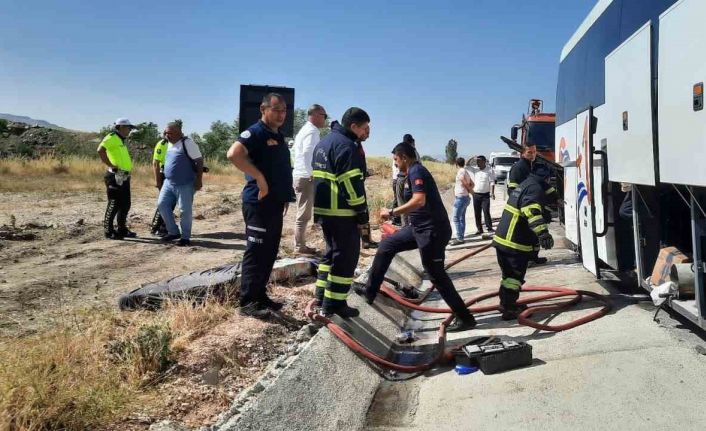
(160, 152)
(338, 177)
(523, 218)
(117, 151)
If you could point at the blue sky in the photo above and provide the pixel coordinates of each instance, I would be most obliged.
(438, 70)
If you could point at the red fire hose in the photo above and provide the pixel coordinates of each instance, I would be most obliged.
(442, 353)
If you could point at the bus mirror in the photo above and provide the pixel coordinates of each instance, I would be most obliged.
(513, 133)
(594, 124)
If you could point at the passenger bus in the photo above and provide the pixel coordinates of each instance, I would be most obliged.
(629, 110)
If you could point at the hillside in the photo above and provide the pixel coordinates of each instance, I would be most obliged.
(24, 140)
(28, 120)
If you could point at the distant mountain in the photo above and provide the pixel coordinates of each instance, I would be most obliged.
(30, 121)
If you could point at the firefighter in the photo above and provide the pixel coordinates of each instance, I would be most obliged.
(519, 172)
(520, 233)
(160, 151)
(341, 208)
(429, 231)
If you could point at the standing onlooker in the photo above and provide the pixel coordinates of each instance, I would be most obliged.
(401, 176)
(183, 172)
(484, 190)
(463, 188)
(304, 144)
(160, 152)
(262, 155)
(114, 153)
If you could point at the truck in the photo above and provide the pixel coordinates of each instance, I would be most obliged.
(630, 131)
(501, 162)
(536, 127)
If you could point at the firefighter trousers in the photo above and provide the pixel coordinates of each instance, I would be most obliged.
(263, 229)
(338, 265)
(514, 268)
(432, 249)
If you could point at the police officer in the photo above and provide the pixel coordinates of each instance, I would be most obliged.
(429, 231)
(160, 151)
(519, 172)
(341, 208)
(114, 153)
(522, 229)
(261, 153)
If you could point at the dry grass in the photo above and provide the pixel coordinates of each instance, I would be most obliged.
(78, 174)
(94, 370)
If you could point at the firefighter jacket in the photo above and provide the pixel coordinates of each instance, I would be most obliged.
(338, 177)
(523, 218)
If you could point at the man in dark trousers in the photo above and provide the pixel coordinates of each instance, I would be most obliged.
(157, 226)
(341, 208)
(114, 153)
(519, 172)
(483, 191)
(520, 233)
(261, 153)
(429, 231)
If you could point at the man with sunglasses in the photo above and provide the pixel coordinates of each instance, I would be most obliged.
(304, 144)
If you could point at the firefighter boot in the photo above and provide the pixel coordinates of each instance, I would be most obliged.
(509, 307)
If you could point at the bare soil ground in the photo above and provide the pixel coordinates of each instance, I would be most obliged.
(55, 262)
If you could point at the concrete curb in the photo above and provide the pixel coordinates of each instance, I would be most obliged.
(325, 386)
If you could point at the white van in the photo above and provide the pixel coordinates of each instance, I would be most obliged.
(501, 162)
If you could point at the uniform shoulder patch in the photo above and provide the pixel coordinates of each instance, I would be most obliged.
(246, 134)
(418, 182)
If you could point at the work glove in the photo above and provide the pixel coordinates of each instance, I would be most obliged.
(362, 217)
(546, 240)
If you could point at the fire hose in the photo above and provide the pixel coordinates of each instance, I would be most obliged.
(443, 353)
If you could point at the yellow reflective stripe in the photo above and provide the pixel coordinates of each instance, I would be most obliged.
(527, 209)
(334, 212)
(550, 190)
(335, 295)
(509, 208)
(324, 268)
(340, 280)
(334, 195)
(325, 175)
(511, 283)
(512, 185)
(321, 283)
(539, 228)
(349, 188)
(513, 224)
(535, 218)
(356, 201)
(350, 174)
(502, 241)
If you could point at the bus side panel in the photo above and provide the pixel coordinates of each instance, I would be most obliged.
(682, 126)
(584, 189)
(604, 207)
(565, 139)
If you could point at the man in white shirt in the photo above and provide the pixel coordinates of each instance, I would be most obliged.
(304, 144)
(484, 190)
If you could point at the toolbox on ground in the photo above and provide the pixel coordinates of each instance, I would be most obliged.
(493, 355)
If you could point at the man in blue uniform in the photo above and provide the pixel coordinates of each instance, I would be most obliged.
(341, 208)
(522, 229)
(261, 153)
(429, 231)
